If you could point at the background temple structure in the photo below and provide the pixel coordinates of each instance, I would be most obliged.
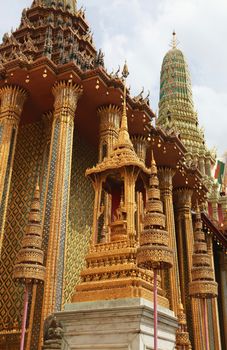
(112, 187)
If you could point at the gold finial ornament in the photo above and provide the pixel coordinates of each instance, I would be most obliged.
(124, 139)
(182, 335)
(154, 251)
(203, 284)
(125, 71)
(29, 264)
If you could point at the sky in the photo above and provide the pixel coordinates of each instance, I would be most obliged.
(141, 30)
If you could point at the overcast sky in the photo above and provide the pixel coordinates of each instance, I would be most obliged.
(140, 31)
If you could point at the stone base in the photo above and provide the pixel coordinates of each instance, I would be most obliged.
(123, 324)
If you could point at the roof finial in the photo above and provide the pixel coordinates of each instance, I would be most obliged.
(123, 138)
(125, 73)
(174, 41)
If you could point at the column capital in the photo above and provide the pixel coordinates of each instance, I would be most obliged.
(165, 176)
(12, 102)
(109, 118)
(66, 96)
(107, 109)
(183, 198)
(109, 124)
(140, 144)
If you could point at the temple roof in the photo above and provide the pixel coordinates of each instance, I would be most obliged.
(66, 5)
(53, 29)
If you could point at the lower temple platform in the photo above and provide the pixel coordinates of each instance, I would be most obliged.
(124, 324)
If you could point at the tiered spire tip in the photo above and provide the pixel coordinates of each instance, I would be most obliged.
(174, 41)
(123, 138)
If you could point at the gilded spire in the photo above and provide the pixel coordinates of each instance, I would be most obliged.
(154, 252)
(203, 284)
(123, 138)
(29, 264)
(182, 335)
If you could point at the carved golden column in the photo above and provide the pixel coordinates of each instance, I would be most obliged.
(110, 117)
(57, 195)
(165, 178)
(223, 290)
(12, 102)
(166, 187)
(214, 301)
(140, 145)
(185, 239)
(223, 203)
(208, 166)
(202, 165)
(214, 201)
(130, 177)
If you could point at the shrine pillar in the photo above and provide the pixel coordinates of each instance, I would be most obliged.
(208, 166)
(140, 145)
(223, 292)
(110, 117)
(213, 305)
(213, 199)
(202, 168)
(223, 203)
(109, 124)
(185, 240)
(12, 102)
(57, 192)
(166, 186)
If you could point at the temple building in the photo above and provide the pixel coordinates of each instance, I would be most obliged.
(97, 205)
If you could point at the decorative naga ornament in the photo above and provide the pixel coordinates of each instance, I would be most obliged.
(154, 252)
(29, 269)
(203, 285)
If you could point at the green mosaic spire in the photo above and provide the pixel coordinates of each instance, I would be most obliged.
(175, 79)
(176, 108)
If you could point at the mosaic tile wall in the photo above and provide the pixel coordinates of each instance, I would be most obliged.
(80, 214)
(24, 174)
(6, 184)
(64, 220)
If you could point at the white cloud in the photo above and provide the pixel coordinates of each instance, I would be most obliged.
(212, 108)
(140, 31)
(146, 27)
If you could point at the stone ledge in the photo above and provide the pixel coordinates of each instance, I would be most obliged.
(124, 324)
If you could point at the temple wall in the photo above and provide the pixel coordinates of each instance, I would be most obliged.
(80, 214)
(27, 158)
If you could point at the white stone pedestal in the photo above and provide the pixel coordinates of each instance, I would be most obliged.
(125, 324)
